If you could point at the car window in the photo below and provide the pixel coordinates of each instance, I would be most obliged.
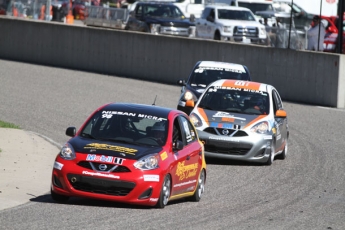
(201, 77)
(188, 130)
(254, 7)
(235, 15)
(277, 100)
(235, 100)
(205, 13)
(129, 127)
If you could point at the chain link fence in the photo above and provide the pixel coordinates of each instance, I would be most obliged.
(106, 17)
(33, 9)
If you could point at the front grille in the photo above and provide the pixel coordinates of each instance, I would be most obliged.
(231, 132)
(100, 186)
(246, 31)
(224, 150)
(95, 166)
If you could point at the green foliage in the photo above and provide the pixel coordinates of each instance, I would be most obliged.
(4, 124)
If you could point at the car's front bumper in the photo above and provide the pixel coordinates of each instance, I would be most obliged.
(128, 187)
(252, 148)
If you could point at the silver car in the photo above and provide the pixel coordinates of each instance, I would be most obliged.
(241, 120)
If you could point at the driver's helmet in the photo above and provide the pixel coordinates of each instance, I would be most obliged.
(158, 130)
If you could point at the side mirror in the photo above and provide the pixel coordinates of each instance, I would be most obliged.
(71, 131)
(192, 18)
(281, 113)
(190, 103)
(178, 145)
(181, 82)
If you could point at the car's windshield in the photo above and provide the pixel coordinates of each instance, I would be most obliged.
(162, 11)
(203, 76)
(254, 7)
(127, 127)
(235, 15)
(236, 100)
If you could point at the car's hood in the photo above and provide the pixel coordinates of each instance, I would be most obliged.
(111, 148)
(226, 22)
(221, 119)
(176, 22)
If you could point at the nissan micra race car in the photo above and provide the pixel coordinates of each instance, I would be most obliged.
(132, 153)
(203, 74)
(241, 120)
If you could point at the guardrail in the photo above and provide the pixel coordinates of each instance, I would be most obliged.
(106, 17)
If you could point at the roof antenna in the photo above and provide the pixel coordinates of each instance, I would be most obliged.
(154, 102)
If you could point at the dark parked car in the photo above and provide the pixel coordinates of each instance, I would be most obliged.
(160, 18)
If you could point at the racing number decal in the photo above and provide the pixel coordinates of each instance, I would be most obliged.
(242, 83)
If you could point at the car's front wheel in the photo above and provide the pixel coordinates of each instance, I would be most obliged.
(58, 198)
(165, 193)
(200, 189)
(282, 156)
(271, 157)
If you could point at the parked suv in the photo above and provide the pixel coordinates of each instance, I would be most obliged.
(160, 18)
(230, 23)
(203, 74)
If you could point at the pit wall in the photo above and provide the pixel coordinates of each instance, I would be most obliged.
(300, 76)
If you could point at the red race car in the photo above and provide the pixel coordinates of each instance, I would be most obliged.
(132, 153)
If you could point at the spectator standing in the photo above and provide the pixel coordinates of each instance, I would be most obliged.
(316, 35)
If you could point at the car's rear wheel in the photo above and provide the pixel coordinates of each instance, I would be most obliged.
(58, 198)
(165, 193)
(200, 189)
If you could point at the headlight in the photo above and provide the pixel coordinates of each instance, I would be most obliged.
(261, 128)
(263, 31)
(227, 29)
(147, 163)
(188, 95)
(67, 152)
(195, 120)
(155, 28)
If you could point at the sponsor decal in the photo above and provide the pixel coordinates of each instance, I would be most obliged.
(154, 178)
(111, 148)
(153, 199)
(164, 156)
(185, 183)
(109, 114)
(100, 174)
(227, 115)
(228, 119)
(274, 130)
(186, 171)
(58, 165)
(118, 160)
(221, 125)
(267, 137)
(94, 157)
(223, 139)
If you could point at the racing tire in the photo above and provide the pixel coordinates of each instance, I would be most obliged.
(282, 156)
(271, 157)
(200, 189)
(165, 192)
(58, 198)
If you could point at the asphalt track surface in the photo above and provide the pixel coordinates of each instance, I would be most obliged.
(305, 191)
